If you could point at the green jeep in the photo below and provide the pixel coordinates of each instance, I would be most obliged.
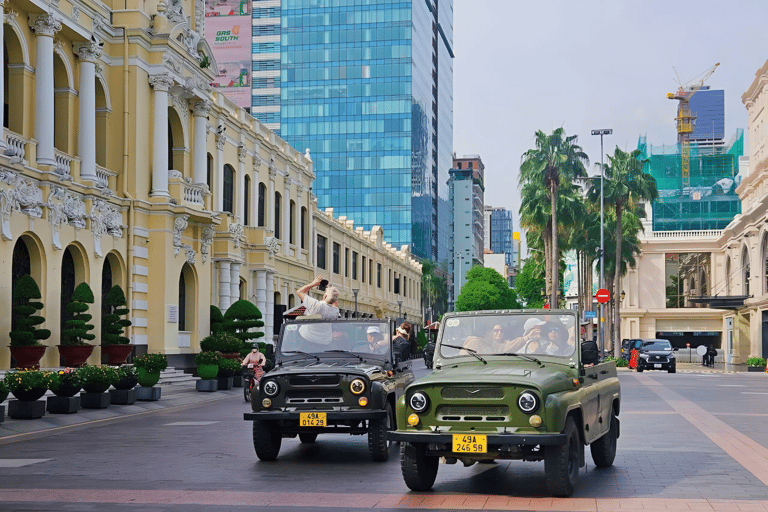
(510, 385)
(330, 377)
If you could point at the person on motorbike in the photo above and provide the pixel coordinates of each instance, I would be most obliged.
(254, 362)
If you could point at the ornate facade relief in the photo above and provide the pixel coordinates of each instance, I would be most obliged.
(273, 246)
(161, 82)
(179, 225)
(200, 17)
(206, 239)
(257, 161)
(56, 213)
(44, 24)
(174, 11)
(87, 52)
(237, 231)
(105, 219)
(201, 108)
(242, 152)
(221, 139)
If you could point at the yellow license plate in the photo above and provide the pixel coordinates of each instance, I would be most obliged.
(312, 419)
(470, 443)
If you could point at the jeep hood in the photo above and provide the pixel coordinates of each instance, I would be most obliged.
(549, 376)
(325, 367)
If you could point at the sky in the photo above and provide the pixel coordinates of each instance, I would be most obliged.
(522, 66)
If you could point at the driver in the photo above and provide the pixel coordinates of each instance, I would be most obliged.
(491, 343)
(376, 342)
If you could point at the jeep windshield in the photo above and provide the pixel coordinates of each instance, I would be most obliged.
(335, 338)
(508, 334)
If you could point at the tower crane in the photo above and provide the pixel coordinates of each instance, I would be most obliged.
(686, 121)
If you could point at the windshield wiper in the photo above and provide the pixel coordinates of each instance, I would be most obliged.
(470, 350)
(300, 352)
(347, 352)
(519, 355)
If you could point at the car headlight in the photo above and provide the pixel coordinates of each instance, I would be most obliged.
(270, 388)
(357, 386)
(528, 402)
(419, 402)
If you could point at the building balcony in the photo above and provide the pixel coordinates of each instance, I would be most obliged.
(186, 193)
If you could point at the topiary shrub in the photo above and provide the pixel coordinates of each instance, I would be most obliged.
(217, 320)
(151, 363)
(24, 318)
(77, 326)
(112, 325)
(421, 339)
(241, 318)
(221, 342)
(228, 367)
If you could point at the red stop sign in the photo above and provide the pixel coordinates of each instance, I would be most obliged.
(602, 296)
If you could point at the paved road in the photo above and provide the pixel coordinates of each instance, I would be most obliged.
(689, 441)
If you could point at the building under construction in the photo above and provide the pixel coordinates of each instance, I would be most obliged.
(707, 198)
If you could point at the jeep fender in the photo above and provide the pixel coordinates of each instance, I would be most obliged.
(378, 395)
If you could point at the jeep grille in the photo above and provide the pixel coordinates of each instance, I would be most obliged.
(314, 380)
(318, 396)
(473, 413)
(472, 392)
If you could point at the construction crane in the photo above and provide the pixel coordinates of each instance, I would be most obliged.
(686, 121)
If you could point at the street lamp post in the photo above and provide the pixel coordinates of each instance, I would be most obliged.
(400, 308)
(605, 131)
(355, 291)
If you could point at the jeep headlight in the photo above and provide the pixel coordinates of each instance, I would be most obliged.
(357, 386)
(528, 402)
(419, 402)
(270, 388)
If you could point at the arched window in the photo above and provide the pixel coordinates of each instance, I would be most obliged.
(106, 285)
(15, 106)
(61, 105)
(728, 275)
(303, 228)
(182, 302)
(170, 146)
(210, 172)
(21, 266)
(292, 227)
(278, 199)
(246, 200)
(764, 253)
(102, 124)
(261, 206)
(67, 284)
(229, 189)
(745, 271)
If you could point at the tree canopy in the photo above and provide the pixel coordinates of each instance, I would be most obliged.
(485, 289)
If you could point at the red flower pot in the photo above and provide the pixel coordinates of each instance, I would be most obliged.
(117, 354)
(75, 355)
(28, 357)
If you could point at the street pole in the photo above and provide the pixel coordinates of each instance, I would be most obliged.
(399, 309)
(355, 291)
(601, 330)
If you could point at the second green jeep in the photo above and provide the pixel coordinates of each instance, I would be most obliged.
(510, 385)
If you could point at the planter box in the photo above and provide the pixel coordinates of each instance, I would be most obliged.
(237, 381)
(756, 369)
(225, 382)
(207, 385)
(26, 410)
(94, 400)
(122, 396)
(148, 394)
(63, 404)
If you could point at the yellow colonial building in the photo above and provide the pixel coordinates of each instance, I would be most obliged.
(119, 164)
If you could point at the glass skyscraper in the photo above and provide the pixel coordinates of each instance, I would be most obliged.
(367, 87)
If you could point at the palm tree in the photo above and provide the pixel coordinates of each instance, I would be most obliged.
(556, 160)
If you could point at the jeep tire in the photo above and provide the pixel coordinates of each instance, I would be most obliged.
(419, 469)
(604, 449)
(378, 445)
(561, 463)
(307, 438)
(266, 440)
(672, 368)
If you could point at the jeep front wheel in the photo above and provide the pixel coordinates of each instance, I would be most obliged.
(419, 469)
(266, 440)
(604, 449)
(561, 463)
(377, 435)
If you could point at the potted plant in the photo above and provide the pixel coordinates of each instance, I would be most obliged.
(227, 370)
(207, 370)
(26, 348)
(227, 344)
(96, 382)
(148, 367)
(65, 384)
(74, 347)
(116, 346)
(126, 379)
(241, 319)
(27, 386)
(755, 364)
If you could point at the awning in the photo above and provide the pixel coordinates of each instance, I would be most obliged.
(721, 302)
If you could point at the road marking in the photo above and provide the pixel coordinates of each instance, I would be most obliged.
(751, 455)
(189, 423)
(731, 386)
(317, 500)
(20, 463)
(753, 393)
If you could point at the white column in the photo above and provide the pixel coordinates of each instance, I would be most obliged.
(234, 283)
(45, 26)
(300, 190)
(239, 184)
(224, 288)
(218, 173)
(86, 130)
(261, 293)
(270, 211)
(287, 215)
(161, 84)
(312, 235)
(200, 112)
(2, 67)
(269, 314)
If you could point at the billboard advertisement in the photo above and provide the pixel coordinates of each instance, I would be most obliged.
(228, 32)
